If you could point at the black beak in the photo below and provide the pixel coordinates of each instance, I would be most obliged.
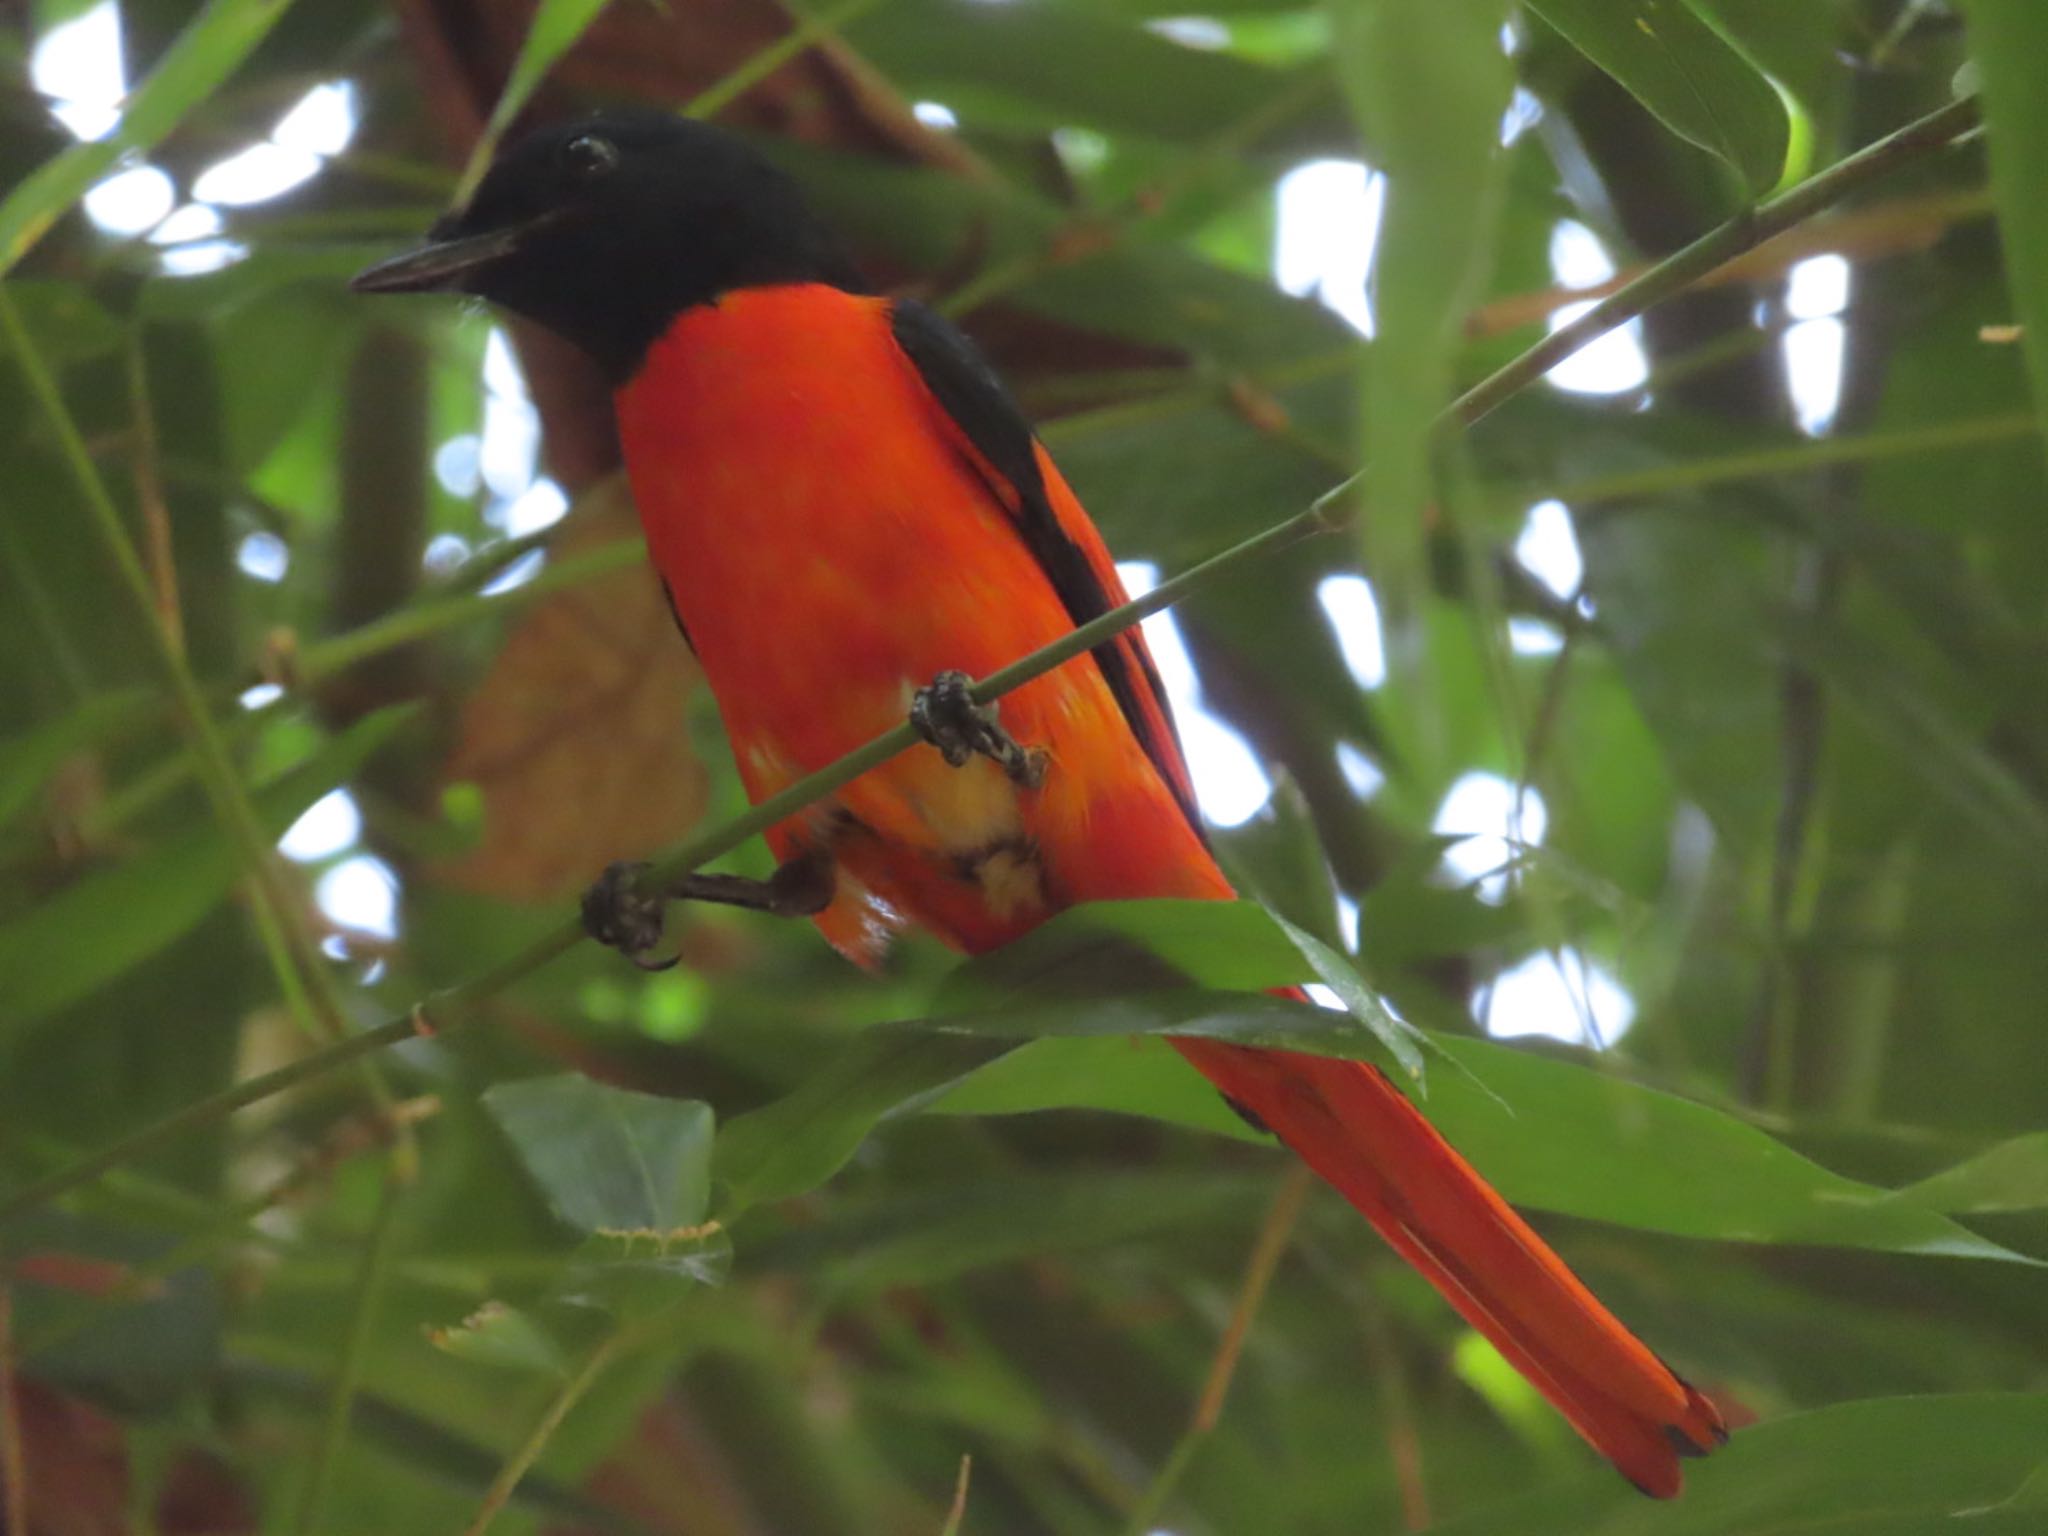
(443, 265)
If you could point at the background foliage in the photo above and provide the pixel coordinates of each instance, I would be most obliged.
(745, 1247)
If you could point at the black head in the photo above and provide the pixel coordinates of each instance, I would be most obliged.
(605, 229)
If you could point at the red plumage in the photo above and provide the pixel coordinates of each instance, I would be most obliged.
(834, 536)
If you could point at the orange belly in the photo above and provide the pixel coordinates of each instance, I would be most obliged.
(829, 552)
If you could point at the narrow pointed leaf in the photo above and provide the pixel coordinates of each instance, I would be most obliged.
(205, 54)
(1550, 1134)
(1667, 57)
(1903, 1466)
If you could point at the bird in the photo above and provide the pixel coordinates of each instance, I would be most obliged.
(852, 518)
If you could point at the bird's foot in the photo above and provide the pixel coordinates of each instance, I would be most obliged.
(620, 913)
(944, 713)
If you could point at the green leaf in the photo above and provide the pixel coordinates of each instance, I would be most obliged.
(1550, 1134)
(1428, 83)
(205, 54)
(1797, 46)
(1679, 67)
(1050, 66)
(101, 924)
(632, 1172)
(1101, 951)
(1336, 972)
(1906, 1466)
(1126, 1077)
(2012, 1176)
(801, 1140)
(924, 1236)
(1105, 947)
(495, 1334)
(1566, 1137)
(2007, 39)
(611, 1162)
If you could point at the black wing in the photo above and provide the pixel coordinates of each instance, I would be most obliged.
(969, 392)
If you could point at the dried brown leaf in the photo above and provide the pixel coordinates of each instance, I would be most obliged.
(578, 736)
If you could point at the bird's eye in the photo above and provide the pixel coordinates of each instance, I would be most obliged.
(588, 157)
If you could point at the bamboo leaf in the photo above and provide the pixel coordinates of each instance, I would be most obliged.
(1679, 67)
(1550, 1134)
(498, 1335)
(205, 54)
(1905, 1466)
(2006, 42)
(2011, 1176)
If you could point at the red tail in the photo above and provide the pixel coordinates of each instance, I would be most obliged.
(1360, 1133)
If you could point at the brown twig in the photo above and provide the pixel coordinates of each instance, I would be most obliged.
(13, 1457)
(958, 1511)
(1264, 1258)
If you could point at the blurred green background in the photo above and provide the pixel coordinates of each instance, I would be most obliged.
(1683, 719)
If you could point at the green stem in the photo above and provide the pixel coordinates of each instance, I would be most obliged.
(1683, 268)
(457, 1007)
(324, 658)
(418, 620)
(506, 1483)
(453, 1009)
(284, 933)
(348, 1371)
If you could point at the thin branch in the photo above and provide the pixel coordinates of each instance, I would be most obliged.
(506, 1483)
(1404, 1445)
(217, 773)
(13, 1454)
(367, 1290)
(1267, 1248)
(1694, 263)
(452, 1009)
(958, 1511)
(217, 1228)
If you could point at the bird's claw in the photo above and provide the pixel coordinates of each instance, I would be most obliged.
(619, 915)
(944, 713)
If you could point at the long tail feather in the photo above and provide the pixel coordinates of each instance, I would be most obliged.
(1349, 1123)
